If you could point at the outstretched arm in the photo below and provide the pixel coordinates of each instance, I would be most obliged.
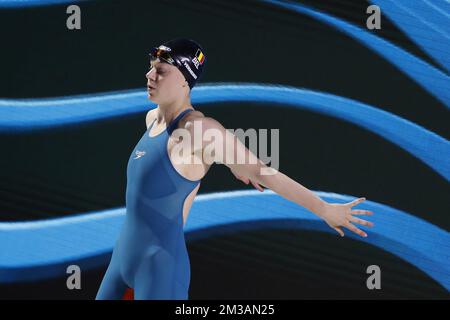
(243, 163)
(247, 181)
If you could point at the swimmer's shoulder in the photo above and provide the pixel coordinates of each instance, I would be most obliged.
(190, 117)
(193, 115)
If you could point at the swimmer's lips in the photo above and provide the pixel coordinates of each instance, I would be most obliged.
(150, 88)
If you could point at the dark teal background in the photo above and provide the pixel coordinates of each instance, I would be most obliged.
(47, 174)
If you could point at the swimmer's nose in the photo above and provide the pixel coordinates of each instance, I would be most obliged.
(149, 75)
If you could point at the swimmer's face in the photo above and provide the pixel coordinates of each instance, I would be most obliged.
(164, 82)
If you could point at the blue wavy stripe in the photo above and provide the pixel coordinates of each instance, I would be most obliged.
(430, 78)
(432, 149)
(22, 115)
(425, 24)
(43, 249)
(433, 80)
(34, 3)
(442, 5)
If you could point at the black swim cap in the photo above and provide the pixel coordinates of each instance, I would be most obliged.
(185, 54)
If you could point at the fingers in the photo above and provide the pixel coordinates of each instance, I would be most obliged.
(357, 201)
(339, 230)
(355, 230)
(362, 212)
(242, 178)
(247, 181)
(257, 186)
(361, 221)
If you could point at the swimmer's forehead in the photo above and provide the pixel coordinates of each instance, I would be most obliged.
(159, 63)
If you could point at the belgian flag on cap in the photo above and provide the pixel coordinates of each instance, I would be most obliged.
(200, 57)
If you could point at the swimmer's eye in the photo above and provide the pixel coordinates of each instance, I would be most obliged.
(157, 70)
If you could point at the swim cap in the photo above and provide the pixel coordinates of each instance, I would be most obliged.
(185, 54)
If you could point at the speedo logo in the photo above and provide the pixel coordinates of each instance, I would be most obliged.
(190, 70)
(139, 154)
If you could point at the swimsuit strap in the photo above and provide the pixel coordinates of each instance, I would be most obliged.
(174, 122)
(151, 125)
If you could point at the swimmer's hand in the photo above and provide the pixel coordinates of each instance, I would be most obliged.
(338, 215)
(247, 181)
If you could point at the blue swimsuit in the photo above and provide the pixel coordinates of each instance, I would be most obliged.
(150, 255)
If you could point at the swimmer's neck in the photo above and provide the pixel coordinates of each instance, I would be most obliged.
(165, 113)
